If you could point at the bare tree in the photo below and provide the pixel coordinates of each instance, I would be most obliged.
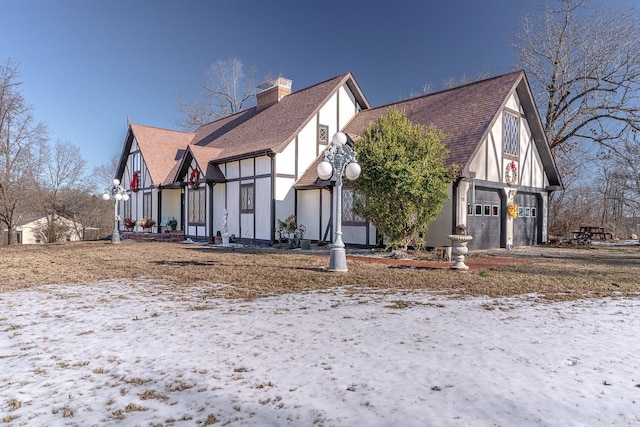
(451, 82)
(584, 66)
(21, 145)
(61, 178)
(104, 173)
(226, 90)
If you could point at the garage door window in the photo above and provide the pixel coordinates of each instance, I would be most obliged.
(494, 210)
(478, 210)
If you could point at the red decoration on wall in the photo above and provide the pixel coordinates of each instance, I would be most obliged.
(193, 179)
(134, 183)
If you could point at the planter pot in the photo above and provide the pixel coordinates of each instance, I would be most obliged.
(459, 250)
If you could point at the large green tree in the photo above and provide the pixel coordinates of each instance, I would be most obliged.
(404, 178)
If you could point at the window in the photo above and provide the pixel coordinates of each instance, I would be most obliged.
(146, 206)
(247, 198)
(469, 209)
(347, 207)
(510, 134)
(478, 210)
(520, 211)
(495, 210)
(126, 209)
(487, 210)
(527, 212)
(136, 161)
(533, 212)
(323, 134)
(196, 206)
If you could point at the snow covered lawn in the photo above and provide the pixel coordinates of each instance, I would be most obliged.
(143, 353)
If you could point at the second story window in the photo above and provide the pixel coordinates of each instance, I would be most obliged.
(510, 134)
(136, 161)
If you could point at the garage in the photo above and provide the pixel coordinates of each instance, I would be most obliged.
(525, 226)
(484, 215)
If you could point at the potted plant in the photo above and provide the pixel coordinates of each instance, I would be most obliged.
(145, 223)
(129, 224)
(289, 226)
(173, 223)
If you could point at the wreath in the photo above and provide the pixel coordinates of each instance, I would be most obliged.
(512, 210)
(193, 179)
(134, 183)
(511, 174)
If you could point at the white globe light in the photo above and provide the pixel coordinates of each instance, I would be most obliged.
(118, 196)
(325, 170)
(339, 138)
(116, 182)
(105, 196)
(353, 171)
(125, 197)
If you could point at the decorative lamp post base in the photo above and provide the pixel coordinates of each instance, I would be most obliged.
(115, 236)
(337, 259)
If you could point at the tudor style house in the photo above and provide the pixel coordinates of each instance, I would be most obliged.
(253, 168)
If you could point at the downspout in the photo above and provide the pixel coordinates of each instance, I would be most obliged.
(272, 223)
(454, 205)
(159, 210)
(210, 186)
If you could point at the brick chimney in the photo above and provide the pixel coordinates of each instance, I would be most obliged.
(272, 91)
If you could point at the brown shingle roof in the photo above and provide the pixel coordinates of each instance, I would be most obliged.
(162, 150)
(269, 129)
(464, 113)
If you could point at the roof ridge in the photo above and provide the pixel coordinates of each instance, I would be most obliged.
(451, 89)
(159, 128)
(340, 76)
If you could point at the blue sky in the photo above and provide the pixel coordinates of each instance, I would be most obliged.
(88, 65)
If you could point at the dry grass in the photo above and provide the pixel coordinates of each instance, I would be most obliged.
(251, 274)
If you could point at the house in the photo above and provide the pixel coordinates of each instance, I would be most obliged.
(32, 229)
(240, 169)
(250, 169)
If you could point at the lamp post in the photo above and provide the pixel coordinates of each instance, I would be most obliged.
(117, 193)
(339, 159)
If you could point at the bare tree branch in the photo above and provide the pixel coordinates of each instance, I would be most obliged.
(225, 90)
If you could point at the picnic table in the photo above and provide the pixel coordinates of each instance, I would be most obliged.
(589, 232)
